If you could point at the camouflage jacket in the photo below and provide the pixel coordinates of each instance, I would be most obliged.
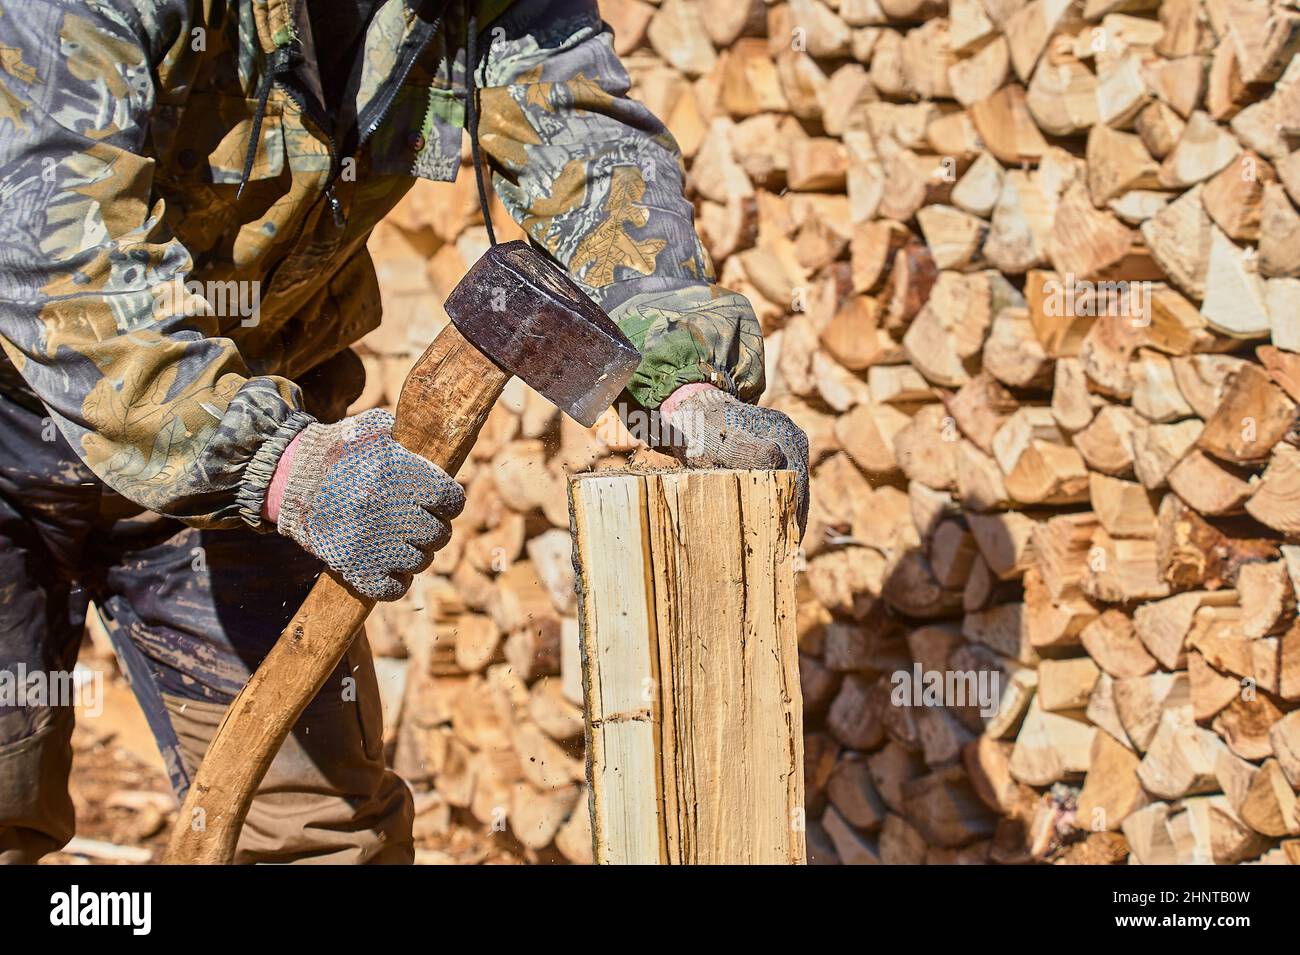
(183, 227)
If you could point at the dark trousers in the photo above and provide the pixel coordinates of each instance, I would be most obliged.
(190, 613)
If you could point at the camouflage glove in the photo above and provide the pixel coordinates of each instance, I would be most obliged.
(721, 432)
(373, 511)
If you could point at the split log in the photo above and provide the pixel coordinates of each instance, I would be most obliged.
(1179, 237)
(956, 238)
(1279, 233)
(1111, 792)
(677, 34)
(749, 84)
(867, 434)
(1235, 294)
(1209, 487)
(1244, 723)
(1054, 623)
(1155, 394)
(891, 766)
(1179, 81)
(1275, 502)
(850, 846)
(1283, 367)
(1123, 570)
(1284, 737)
(478, 642)
(1037, 465)
(907, 284)
(1211, 690)
(1021, 225)
(944, 809)
(1050, 747)
(1002, 628)
(640, 629)
(978, 76)
(1163, 625)
(1270, 804)
(1005, 541)
(1264, 39)
(1086, 241)
(1203, 380)
(1122, 91)
(1125, 508)
(1106, 443)
(1117, 163)
(980, 408)
(872, 249)
(1234, 198)
(1204, 148)
(1158, 448)
(1141, 702)
(1029, 29)
(725, 23)
(853, 794)
(1180, 759)
(629, 20)
(1061, 548)
(1251, 419)
(1111, 640)
(1012, 353)
(1065, 685)
(1160, 128)
(1007, 128)
(1194, 553)
(943, 342)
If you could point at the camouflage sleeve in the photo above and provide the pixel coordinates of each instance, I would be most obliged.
(93, 310)
(595, 179)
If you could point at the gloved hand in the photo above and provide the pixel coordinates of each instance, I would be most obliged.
(722, 432)
(373, 511)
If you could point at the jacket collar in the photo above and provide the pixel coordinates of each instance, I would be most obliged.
(395, 35)
(282, 22)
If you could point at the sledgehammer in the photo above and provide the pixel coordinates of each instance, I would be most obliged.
(514, 313)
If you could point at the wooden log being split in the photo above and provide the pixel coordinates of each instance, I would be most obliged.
(691, 679)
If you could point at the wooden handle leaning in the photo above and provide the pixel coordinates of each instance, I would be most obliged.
(444, 402)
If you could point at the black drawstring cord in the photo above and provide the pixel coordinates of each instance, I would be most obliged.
(273, 68)
(471, 112)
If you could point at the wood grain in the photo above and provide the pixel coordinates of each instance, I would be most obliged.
(694, 713)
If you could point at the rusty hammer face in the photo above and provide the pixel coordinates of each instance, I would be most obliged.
(526, 315)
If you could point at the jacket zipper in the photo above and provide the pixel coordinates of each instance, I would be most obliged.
(314, 111)
(317, 115)
(390, 94)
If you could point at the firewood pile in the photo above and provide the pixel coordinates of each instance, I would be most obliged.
(1029, 275)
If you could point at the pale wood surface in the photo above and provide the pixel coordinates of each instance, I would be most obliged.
(690, 666)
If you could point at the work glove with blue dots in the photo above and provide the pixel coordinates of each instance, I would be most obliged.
(721, 432)
(373, 511)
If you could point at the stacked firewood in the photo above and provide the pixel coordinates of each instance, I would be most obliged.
(1029, 275)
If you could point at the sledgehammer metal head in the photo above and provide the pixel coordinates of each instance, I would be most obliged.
(526, 315)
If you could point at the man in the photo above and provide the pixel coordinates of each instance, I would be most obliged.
(154, 437)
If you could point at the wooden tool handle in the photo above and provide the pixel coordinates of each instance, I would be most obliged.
(444, 402)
